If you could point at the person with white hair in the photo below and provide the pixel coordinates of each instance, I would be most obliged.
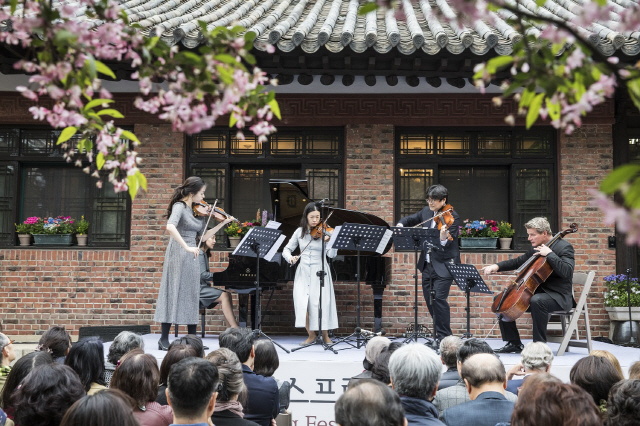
(7, 355)
(124, 342)
(536, 358)
(374, 347)
(448, 354)
(415, 371)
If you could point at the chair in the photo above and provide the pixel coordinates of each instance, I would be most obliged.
(585, 280)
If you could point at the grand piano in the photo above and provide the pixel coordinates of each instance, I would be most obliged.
(288, 198)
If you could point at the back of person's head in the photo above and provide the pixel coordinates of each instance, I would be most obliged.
(55, 340)
(373, 349)
(634, 370)
(536, 356)
(369, 403)
(267, 361)
(539, 379)
(86, 358)
(138, 376)
(230, 375)
(623, 406)
(481, 369)
(4, 342)
(611, 357)
(472, 347)
(20, 370)
(239, 340)
(596, 375)
(415, 371)
(448, 350)
(192, 382)
(109, 407)
(176, 353)
(45, 395)
(380, 370)
(123, 343)
(191, 340)
(554, 404)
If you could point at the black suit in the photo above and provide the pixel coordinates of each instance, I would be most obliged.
(435, 272)
(552, 295)
(488, 409)
(263, 397)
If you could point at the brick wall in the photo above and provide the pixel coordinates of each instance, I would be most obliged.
(112, 287)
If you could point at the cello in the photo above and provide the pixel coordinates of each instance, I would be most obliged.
(514, 300)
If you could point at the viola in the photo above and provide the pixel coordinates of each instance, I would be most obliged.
(445, 218)
(514, 300)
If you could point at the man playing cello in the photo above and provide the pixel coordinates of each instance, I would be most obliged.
(552, 295)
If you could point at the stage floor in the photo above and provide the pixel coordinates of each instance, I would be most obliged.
(319, 376)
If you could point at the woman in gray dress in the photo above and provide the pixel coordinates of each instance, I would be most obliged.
(178, 300)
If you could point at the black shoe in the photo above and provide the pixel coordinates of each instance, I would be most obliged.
(510, 348)
(161, 346)
(205, 348)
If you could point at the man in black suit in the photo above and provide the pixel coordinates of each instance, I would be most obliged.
(432, 260)
(552, 295)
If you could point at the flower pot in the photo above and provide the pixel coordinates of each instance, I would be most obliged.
(485, 243)
(82, 239)
(25, 239)
(52, 239)
(505, 243)
(618, 316)
(234, 241)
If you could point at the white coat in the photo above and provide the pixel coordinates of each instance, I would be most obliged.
(306, 286)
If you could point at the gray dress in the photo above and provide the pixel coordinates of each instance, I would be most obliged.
(178, 300)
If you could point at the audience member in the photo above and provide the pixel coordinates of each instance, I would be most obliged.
(596, 375)
(57, 342)
(176, 353)
(454, 395)
(110, 407)
(86, 358)
(634, 371)
(266, 364)
(231, 390)
(138, 376)
(554, 404)
(123, 343)
(262, 392)
(369, 403)
(540, 379)
(371, 352)
(191, 391)
(45, 395)
(7, 356)
(623, 405)
(191, 340)
(535, 358)
(486, 380)
(611, 357)
(448, 348)
(380, 370)
(415, 371)
(20, 370)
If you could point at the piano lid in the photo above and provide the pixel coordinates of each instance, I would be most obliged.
(289, 198)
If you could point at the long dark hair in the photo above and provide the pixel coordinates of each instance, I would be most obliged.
(86, 358)
(304, 223)
(105, 408)
(20, 370)
(192, 185)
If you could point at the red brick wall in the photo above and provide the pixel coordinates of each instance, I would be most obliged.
(112, 287)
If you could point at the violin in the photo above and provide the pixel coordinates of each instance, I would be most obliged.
(204, 209)
(445, 218)
(320, 230)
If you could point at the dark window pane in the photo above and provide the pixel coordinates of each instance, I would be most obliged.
(534, 197)
(248, 146)
(7, 203)
(531, 143)
(9, 139)
(478, 192)
(413, 189)
(286, 144)
(494, 144)
(109, 225)
(55, 191)
(416, 144)
(453, 144)
(39, 142)
(323, 183)
(210, 143)
(634, 149)
(250, 189)
(322, 144)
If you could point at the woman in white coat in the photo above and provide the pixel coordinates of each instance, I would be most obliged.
(306, 286)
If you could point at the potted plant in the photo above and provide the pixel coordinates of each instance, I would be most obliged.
(479, 234)
(616, 300)
(505, 235)
(53, 231)
(82, 227)
(25, 229)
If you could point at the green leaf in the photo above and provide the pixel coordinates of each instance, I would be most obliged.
(66, 134)
(275, 108)
(554, 109)
(100, 161)
(14, 5)
(94, 103)
(151, 42)
(142, 180)
(619, 177)
(80, 146)
(111, 112)
(497, 63)
(225, 58)
(540, 3)
(601, 3)
(132, 181)
(232, 120)
(534, 110)
(249, 37)
(632, 195)
(102, 68)
(128, 135)
(367, 7)
(633, 86)
(526, 98)
(90, 65)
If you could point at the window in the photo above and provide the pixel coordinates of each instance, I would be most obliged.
(496, 174)
(237, 172)
(37, 181)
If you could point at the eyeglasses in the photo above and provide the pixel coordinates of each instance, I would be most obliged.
(10, 342)
(432, 201)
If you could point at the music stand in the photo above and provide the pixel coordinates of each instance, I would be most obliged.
(468, 279)
(412, 240)
(260, 243)
(359, 237)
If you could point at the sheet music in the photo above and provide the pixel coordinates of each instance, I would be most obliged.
(384, 240)
(334, 236)
(272, 224)
(242, 242)
(274, 249)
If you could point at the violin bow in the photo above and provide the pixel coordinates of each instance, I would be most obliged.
(433, 218)
(322, 224)
(208, 220)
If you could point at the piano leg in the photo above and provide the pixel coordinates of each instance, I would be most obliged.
(377, 307)
(243, 308)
